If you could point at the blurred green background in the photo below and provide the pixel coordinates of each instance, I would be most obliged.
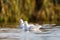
(34, 11)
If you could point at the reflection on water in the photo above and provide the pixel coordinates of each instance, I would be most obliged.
(36, 38)
(40, 38)
(10, 39)
(21, 35)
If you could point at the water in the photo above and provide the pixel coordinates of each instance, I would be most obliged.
(16, 34)
(10, 39)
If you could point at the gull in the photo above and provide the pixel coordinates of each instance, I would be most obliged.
(31, 27)
(21, 24)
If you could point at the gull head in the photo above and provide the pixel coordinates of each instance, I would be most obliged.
(21, 20)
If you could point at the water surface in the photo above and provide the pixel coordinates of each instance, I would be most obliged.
(17, 34)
